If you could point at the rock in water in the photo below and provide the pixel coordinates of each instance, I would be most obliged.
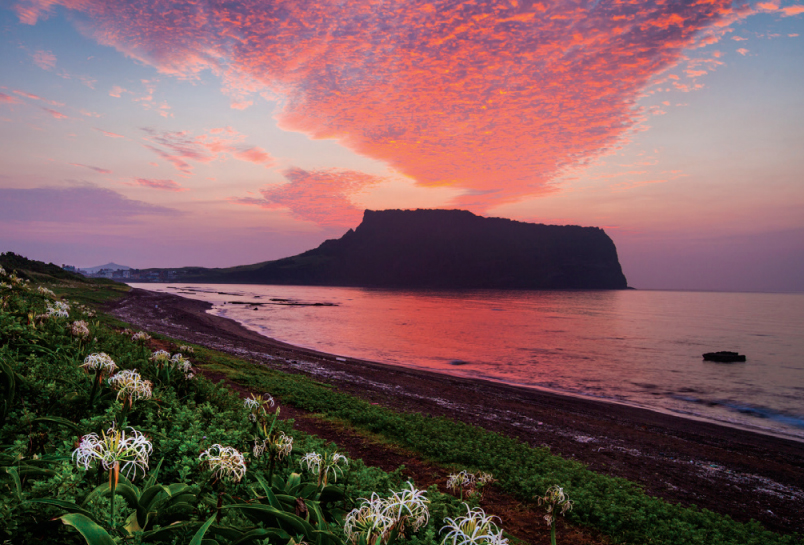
(723, 356)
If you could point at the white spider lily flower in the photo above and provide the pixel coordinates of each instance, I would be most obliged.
(462, 480)
(324, 465)
(485, 478)
(185, 348)
(100, 362)
(258, 405)
(115, 450)
(140, 336)
(80, 329)
(46, 292)
(281, 445)
(4, 286)
(368, 521)
(2, 271)
(160, 356)
(476, 528)
(554, 499)
(225, 462)
(58, 309)
(408, 505)
(130, 384)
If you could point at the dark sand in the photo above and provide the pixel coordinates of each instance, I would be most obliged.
(739, 473)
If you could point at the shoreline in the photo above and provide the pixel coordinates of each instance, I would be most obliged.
(583, 397)
(745, 474)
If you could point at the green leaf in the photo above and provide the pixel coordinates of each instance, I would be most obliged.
(152, 475)
(199, 535)
(272, 500)
(16, 476)
(68, 506)
(263, 533)
(62, 422)
(275, 517)
(93, 534)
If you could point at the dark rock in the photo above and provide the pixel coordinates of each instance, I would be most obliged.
(723, 357)
(443, 249)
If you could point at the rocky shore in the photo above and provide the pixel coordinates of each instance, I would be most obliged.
(739, 473)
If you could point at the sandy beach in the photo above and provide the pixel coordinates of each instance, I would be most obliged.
(742, 474)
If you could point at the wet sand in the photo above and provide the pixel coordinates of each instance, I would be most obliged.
(739, 473)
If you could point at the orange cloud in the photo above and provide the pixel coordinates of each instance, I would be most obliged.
(166, 185)
(96, 169)
(116, 91)
(320, 196)
(496, 98)
(793, 10)
(742, 51)
(178, 147)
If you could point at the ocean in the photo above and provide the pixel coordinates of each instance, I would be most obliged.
(640, 348)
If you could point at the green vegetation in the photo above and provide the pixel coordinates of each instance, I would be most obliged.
(104, 441)
(220, 471)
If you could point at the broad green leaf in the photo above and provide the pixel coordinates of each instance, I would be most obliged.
(16, 477)
(261, 534)
(272, 500)
(93, 534)
(62, 422)
(275, 517)
(68, 506)
(199, 535)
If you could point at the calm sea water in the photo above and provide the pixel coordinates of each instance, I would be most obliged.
(641, 348)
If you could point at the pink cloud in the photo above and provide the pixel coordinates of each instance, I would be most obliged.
(494, 98)
(35, 97)
(793, 10)
(55, 114)
(96, 169)
(178, 147)
(89, 114)
(116, 91)
(45, 60)
(109, 134)
(738, 38)
(166, 185)
(320, 196)
(241, 105)
(8, 99)
(742, 51)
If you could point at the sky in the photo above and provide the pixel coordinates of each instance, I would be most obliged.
(165, 134)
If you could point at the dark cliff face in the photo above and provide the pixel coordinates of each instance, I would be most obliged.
(450, 249)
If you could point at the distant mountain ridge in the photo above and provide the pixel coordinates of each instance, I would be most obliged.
(441, 249)
(109, 266)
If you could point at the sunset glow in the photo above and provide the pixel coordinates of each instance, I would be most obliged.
(161, 133)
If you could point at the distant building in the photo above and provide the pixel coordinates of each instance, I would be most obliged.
(69, 268)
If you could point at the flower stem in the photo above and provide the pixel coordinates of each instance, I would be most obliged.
(553, 533)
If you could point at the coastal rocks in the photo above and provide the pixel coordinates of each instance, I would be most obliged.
(724, 357)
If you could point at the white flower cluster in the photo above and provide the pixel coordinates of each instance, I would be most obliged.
(468, 482)
(4, 286)
(255, 403)
(324, 465)
(140, 336)
(185, 348)
(225, 462)
(129, 383)
(2, 271)
(374, 521)
(476, 528)
(58, 309)
(80, 329)
(46, 292)
(163, 359)
(555, 499)
(282, 444)
(100, 362)
(114, 448)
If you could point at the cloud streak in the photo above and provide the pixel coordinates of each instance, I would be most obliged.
(96, 169)
(179, 147)
(165, 185)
